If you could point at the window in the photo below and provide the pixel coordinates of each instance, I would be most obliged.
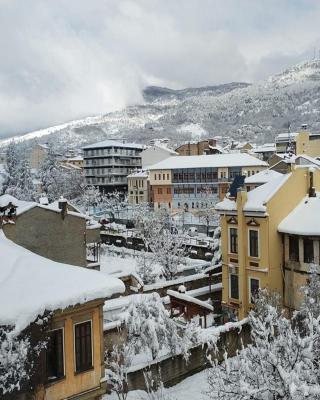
(233, 236)
(159, 177)
(155, 177)
(159, 190)
(167, 176)
(254, 285)
(293, 248)
(234, 286)
(168, 190)
(164, 177)
(308, 251)
(253, 243)
(83, 346)
(55, 355)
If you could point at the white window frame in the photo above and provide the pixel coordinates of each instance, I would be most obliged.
(258, 230)
(63, 350)
(230, 297)
(74, 345)
(229, 241)
(249, 286)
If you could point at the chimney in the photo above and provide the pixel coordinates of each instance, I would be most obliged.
(312, 190)
(62, 204)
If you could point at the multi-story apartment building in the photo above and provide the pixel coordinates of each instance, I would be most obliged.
(38, 155)
(107, 164)
(139, 188)
(254, 255)
(197, 182)
(298, 143)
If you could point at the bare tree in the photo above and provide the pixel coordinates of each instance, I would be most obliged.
(117, 364)
(168, 248)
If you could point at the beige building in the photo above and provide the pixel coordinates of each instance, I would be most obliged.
(72, 364)
(37, 156)
(76, 161)
(252, 248)
(302, 142)
(192, 183)
(203, 147)
(139, 188)
(155, 154)
(301, 238)
(54, 231)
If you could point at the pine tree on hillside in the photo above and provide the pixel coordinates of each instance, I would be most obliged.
(24, 188)
(50, 177)
(12, 166)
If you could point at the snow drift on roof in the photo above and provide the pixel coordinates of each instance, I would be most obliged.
(257, 198)
(114, 143)
(262, 176)
(207, 161)
(226, 205)
(31, 284)
(304, 219)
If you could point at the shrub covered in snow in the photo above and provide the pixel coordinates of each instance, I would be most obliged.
(150, 328)
(281, 363)
(19, 358)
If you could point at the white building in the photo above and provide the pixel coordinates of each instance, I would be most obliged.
(156, 153)
(107, 164)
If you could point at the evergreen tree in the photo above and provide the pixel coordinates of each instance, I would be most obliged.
(12, 166)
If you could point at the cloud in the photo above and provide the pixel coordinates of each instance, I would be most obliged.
(67, 59)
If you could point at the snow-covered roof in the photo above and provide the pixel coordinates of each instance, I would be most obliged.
(309, 160)
(265, 148)
(257, 198)
(283, 137)
(212, 160)
(304, 219)
(139, 174)
(24, 206)
(21, 205)
(164, 147)
(262, 177)
(76, 158)
(217, 147)
(31, 284)
(114, 143)
(226, 205)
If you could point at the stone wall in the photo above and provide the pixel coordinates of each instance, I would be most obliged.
(174, 369)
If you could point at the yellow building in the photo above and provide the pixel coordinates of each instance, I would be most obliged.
(301, 142)
(139, 188)
(252, 248)
(76, 161)
(38, 155)
(72, 365)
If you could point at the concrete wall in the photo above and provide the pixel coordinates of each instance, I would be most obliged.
(46, 233)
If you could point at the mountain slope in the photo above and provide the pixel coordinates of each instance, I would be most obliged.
(239, 110)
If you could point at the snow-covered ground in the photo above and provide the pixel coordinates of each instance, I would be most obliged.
(122, 262)
(192, 388)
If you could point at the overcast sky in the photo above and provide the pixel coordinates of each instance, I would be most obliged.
(67, 59)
